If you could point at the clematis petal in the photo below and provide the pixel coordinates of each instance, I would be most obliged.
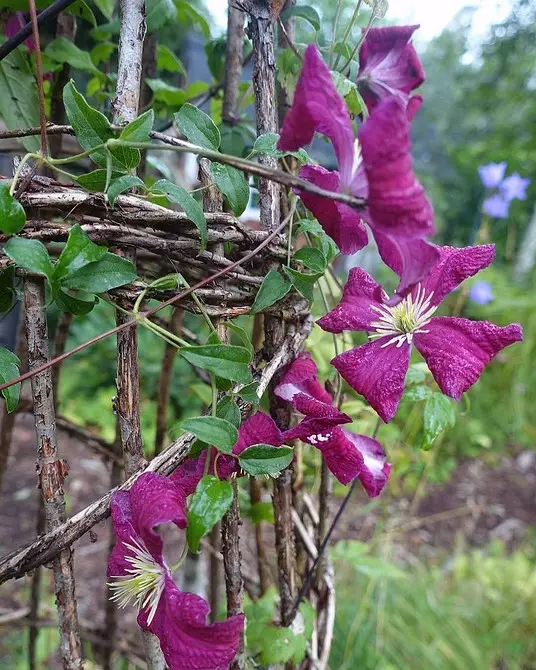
(414, 104)
(301, 378)
(376, 372)
(189, 473)
(319, 419)
(152, 500)
(187, 641)
(318, 107)
(397, 203)
(388, 65)
(354, 312)
(375, 470)
(457, 350)
(344, 461)
(259, 428)
(342, 223)
(410, 258)
(455, 266)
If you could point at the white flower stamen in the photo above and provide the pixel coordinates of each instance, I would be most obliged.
(146, 585)
(404, 320)
(315, 439)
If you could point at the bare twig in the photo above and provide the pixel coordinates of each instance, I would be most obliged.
(35, 594)
(51, 470)
(233, 63)
(262, 565)
(60, 342)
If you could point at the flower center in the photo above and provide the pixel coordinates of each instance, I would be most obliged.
(146, 584)
(404, 320)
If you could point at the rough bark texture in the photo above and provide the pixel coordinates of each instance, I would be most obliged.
(129, 70)
(233, 63)
(51, 470)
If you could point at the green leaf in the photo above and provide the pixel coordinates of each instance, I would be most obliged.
(122, 184)
(223, 360)
(164, 92)
(417, 393)
(90, 126)
(188, 15)
(211, 499)
(312, 258)
(7, 291)
(228, 409)
(68, 303)
(249, 393)
(245, 338)
(261, 511)
(110, 272)
(303, 12)
(18, 96)
(106, 7)
(417, 373)
(264, 459)
(62, 50)
(30, 255)
(78, 251)
(96, 180)
(159, 12)
(303, 283)
(279, 645)
(273, 288)
(267, 144)
(9, 369)
(12, 214)
(82, 11)
(139, 129)
(166, 60)
(211, 429)
(234, 186)
(102, 52)
(439, 414)
(198, 127)
(189, 204)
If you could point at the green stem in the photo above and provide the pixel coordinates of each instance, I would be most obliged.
(334, 35)
(348, 30)
(363, 36)
(183, 555)
(199, 304)
(170, 337)
(77, 157)
(19, 169)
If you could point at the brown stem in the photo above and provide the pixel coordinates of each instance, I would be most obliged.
(233, 64)
(44, 549)
(51, 470)
(324, 495)
(262, 564)
(60, 342)
(35, 595)
(39, 69)
(164, 382)
(149, 71)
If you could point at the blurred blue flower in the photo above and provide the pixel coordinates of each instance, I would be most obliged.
(514, 186)
(491, 175)
(496, 206)
(481, 293)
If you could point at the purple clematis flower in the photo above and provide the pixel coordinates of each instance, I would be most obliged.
(142, 576)
(398, 212)
(12, 26)
(346, 454)
(514, 186)
(481, 293)
(492, 174)
(258, 429)
(455, 350)
(388, 65)
(496, 206)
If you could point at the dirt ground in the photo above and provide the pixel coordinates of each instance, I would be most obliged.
(477, 504)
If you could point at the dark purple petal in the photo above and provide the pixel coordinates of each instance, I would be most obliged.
(396, 202)
(496, 206)
(414, 104)
(302, 377)
(189, 473)
(152, 500)
(457, 350)
(491, 175)
(375, 471)
(388, 65)
(258, 429)
(187, 641)
(342, 223)
(344, 461)
(318, 107)
(13, 24)
(454, 267)
(376, 372)
(320, 418)
(354, 312)
(410, 258)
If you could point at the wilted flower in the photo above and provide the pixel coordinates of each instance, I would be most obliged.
(142, 577)
(481, 293)
(376, 167)
(388, 65)
(492, 174)
(496, 206)
(456, 350)
(346, 454)
(514, 186)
